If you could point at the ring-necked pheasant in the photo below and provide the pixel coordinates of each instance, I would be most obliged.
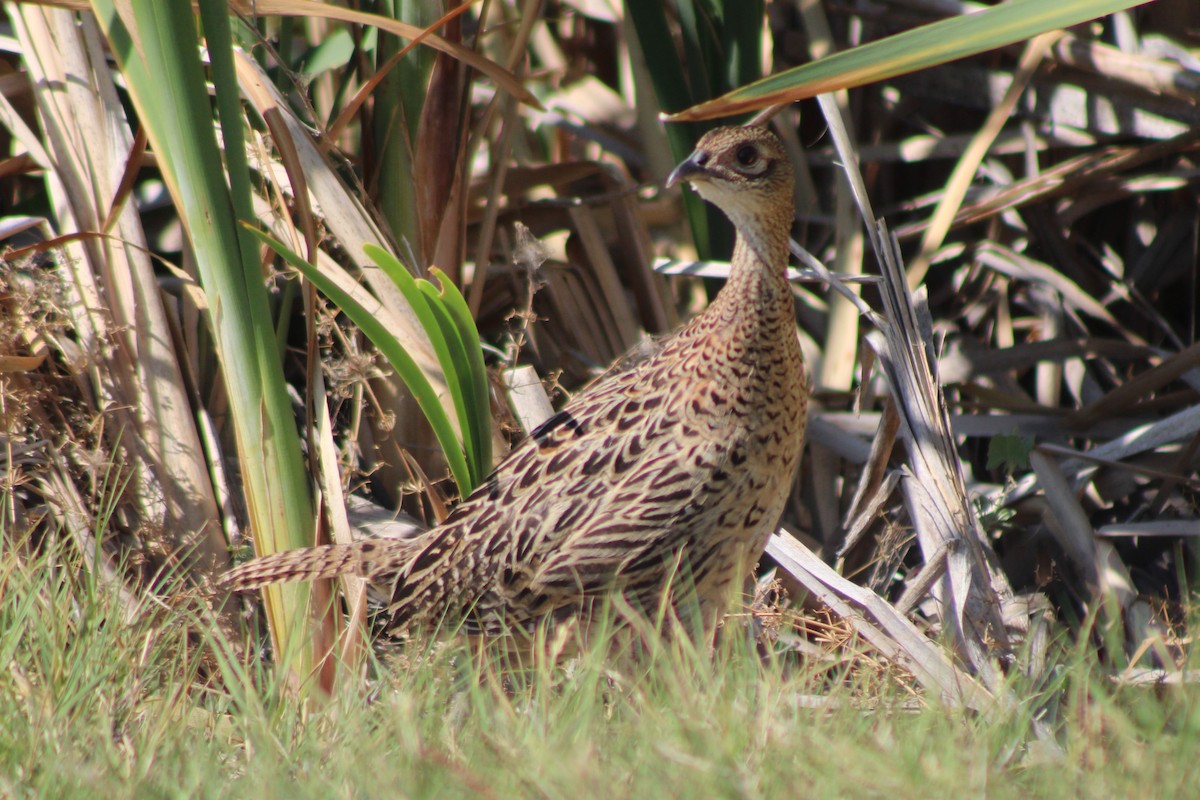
(666, 478)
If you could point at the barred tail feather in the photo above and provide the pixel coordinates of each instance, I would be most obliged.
(365, 559)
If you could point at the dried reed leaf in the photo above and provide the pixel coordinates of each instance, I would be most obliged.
(117, 306)
(877, 622)
(527, 397)
(975, 589)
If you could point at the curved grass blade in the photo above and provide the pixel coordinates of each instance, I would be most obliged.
(394, 352)
(481, 404)
(927, 46)
(458, 375)
(426, 314)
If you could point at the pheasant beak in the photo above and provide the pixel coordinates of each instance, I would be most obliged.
(694, 167)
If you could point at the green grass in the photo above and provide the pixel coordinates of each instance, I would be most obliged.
(99, 698)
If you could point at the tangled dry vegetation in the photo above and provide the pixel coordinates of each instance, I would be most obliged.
(1046, 198)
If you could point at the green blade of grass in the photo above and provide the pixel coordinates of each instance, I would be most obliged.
(919, 48)
(480, 405)
(458, 366)
(694, 23)
(741, 39)
(428, 318)
(671, 88)
(393, 351)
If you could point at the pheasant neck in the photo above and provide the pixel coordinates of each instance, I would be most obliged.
(757, 294)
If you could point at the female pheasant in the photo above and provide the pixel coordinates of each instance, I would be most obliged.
(661, 483)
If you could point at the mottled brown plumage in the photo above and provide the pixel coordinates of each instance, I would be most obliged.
(659, 480)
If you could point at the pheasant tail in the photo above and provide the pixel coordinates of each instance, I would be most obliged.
(366, 559)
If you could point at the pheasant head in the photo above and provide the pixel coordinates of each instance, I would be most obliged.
(746, 173)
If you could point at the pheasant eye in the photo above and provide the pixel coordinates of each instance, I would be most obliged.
(747, 154)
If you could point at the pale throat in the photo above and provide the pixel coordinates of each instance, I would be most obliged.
(759, 265)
